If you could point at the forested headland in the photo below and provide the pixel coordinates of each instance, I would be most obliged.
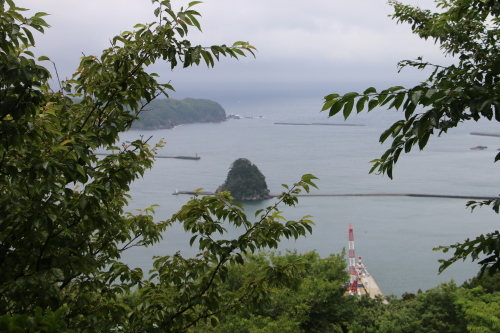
(168, 113)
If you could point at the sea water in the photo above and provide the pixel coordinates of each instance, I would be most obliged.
(394, 235)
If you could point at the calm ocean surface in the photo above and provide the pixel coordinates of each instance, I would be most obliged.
(394, 235)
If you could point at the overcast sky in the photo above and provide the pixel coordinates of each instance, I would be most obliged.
(308, 48)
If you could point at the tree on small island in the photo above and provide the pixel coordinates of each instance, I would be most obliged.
(245, 182)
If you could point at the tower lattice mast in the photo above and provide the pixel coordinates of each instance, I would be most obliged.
(353, 284)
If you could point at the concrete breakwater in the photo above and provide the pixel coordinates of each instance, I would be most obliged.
(325, 124)
(448, 196)
(180, 157)
(163, 156)
(193, 192)
(371, 287)
(485, 134)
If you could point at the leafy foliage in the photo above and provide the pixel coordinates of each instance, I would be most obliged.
(468, 90)
(480, 310)
(489, 283)
(313, 300)
(184, 292)
(446, 308)
(63, 225)
(168, 113)
(245, 181)
(432, 311)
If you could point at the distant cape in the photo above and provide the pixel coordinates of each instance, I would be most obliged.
(168, 113)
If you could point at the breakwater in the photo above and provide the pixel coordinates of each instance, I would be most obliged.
(416, 195)
(371, 287)
(164, 156)
(324, 124)
(485, 134)
(180, 157)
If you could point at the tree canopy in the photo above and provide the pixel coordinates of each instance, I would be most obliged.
(63, 210)
(317, 301)
(469, 30)
(245, 182)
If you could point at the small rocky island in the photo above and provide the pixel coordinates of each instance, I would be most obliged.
(245, 182)
(168, 113)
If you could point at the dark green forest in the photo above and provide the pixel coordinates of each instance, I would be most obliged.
(168, 113)
(314, 299)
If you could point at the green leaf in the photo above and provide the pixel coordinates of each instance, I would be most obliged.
(41, 14)
(396, 128)
(80, 169)
(58, 273)
(192, 3)
(350, 95)
(385, 135)
(387, 99)
(328, 104)
(399, 100)
(208, 58)
(336, 107)
(409, 109)
(408, 145)
(195, 22)
(29, 35)
(192, 240)
(397, 152)
(348, 107)
(372, 104)
(388, 168)
(240, 43)
(331, 97)
(430, 92)
(396, 88)
(370, 90)
(422, 142)
(43, 58)
(415, 96)
(215, 51)
(360, 105)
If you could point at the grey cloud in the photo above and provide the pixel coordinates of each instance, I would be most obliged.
(303, 46)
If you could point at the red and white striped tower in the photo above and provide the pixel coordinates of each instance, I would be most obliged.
(353, 284)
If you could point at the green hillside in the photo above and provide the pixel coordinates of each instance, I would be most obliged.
(167, 113)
